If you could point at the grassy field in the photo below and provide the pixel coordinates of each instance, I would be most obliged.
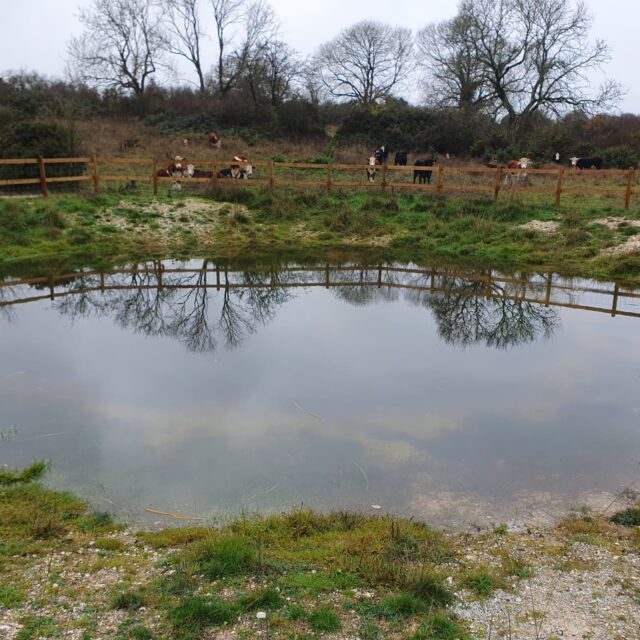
(68, 572)
(473, 232)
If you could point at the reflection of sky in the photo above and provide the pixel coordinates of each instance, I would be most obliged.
(328, 404)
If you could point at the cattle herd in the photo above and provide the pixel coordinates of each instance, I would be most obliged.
(241, 169)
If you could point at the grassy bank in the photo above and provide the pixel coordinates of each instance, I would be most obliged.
(237, 222)
(68, 572)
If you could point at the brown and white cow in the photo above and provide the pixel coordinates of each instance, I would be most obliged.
(243, 170)
(214, 140)
(512, 176)
(371, 170)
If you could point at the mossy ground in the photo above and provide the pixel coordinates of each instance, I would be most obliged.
(68, 572)
(237, 222)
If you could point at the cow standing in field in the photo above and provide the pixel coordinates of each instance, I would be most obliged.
(400, 159)
(371, 169)
(423, 176)
(511, 177)
(381, 154)
(587, 163)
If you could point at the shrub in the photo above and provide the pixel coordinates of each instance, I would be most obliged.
(620, 157)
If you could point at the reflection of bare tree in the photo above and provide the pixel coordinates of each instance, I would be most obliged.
(364, 286)
(470, 312)
(202, 304)
(180, 305)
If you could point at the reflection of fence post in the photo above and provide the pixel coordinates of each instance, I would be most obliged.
(627, 195)
(439, 184)
(95, 175)
(614, 305)
(154, 178)
(496, 186)
(271, 175)
(330, 177)
(547, 298)
(43, 177)
(559, 186)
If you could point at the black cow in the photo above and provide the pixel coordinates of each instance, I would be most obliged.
(382, 153)
(423, 177)
(200, 173)
(401, 158)
(587, 163)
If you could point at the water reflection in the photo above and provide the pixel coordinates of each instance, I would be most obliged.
(448, 389)
(204, 305)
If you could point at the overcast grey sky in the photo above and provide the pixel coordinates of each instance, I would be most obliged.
(34, 34)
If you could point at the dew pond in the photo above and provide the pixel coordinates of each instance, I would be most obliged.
(207, 389)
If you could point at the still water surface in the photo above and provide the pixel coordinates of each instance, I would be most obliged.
(193, 388)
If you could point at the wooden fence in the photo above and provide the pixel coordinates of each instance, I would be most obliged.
(548, 289)
(618, 185)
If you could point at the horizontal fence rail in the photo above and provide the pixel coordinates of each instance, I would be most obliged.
(618, 185)
(549, 289)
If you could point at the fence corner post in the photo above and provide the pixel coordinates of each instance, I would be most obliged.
(630, 181)
(95, 175)
(271, 175)
(154, 178)
(43, 177)
(559, 187)
(440, 181)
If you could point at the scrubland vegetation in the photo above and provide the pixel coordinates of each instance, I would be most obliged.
(229, 223)
(70, 572)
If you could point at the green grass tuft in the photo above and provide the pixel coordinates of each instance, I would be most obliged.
(194, 614)
(128, 600)
(31, 473)
(264, 599)
(324, 620)
(628, 517)
(226, 556)
(482, 582)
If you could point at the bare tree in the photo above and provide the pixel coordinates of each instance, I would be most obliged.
(257, 25)
(366, 61)
(183, 33)
(523, 57)
(121, 45)
(453, 75)
(271, 73)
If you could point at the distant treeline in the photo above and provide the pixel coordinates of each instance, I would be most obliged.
(37, 117)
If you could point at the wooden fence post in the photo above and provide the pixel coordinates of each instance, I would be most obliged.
(154, 178)
(214, 175)
(271, 175)
(559, 186)
(43, 177)
(630, 181)
(440, 181)
(496, 186)
(329, 177)
(95, 175)
(384, 176)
